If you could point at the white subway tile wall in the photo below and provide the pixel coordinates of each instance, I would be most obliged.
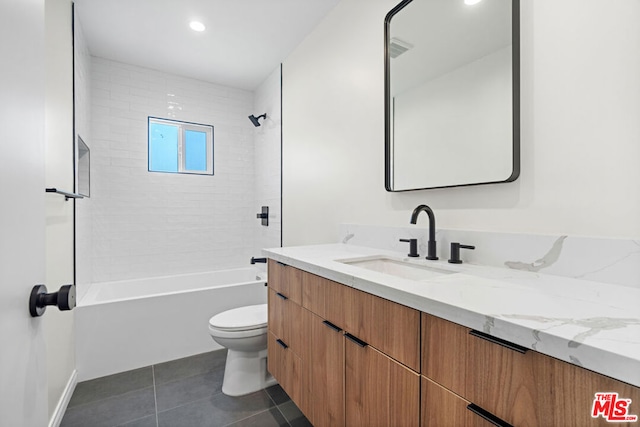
(148, 224)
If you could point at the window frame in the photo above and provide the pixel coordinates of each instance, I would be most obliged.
(183, 127)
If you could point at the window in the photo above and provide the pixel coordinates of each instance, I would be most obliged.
(180, 147)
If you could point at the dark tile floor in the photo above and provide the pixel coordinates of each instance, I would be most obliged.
(180, 393)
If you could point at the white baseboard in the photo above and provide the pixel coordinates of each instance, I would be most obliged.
(61, 407)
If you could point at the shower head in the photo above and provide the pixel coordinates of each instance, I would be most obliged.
(254, 119)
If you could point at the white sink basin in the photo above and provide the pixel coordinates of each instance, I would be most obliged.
(396, 268)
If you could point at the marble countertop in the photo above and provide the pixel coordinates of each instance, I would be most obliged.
(590, 324)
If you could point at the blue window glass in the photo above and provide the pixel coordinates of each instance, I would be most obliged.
(180, 147)
(163, 147)
(195, 150)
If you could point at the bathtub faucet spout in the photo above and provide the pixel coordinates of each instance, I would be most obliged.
(254, 260)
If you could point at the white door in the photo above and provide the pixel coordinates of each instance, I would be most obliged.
(23, 387)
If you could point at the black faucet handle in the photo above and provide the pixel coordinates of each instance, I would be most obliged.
(413, 247)
(455, 252)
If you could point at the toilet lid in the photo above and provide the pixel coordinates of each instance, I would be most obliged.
(241, 319)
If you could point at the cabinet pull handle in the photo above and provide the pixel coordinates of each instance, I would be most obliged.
(281, 263)
(282, 295)
(332, 326)
(356, 340)
(487, 416)
(499, 341)
(282, 344)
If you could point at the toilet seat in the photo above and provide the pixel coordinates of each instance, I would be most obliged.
(241, 319)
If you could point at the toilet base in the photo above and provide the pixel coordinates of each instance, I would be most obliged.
(246, 372)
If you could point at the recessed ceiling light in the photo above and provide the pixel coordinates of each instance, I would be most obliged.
(470, 2)
(197, 26)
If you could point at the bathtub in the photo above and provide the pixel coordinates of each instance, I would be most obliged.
(129, 324)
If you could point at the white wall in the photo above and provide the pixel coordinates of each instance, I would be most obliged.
(152, 224)
(58, 325)
(580, 128)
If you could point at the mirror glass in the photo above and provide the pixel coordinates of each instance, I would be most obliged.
(451, 93)
(84, 168)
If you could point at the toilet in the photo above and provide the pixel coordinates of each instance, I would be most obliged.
(243, 331)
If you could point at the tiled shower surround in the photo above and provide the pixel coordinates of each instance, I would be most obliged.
(147, 224)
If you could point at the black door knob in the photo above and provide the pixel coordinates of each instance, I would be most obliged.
(64, 299)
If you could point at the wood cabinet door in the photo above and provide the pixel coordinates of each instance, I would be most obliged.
(378, 390)
(327, 373)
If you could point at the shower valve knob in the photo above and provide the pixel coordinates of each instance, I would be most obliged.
(263, 216)
(64, 299)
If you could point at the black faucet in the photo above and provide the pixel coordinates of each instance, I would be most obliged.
(431, 245)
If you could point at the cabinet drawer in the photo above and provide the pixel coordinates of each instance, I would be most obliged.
(285, 321)
(286, 367)
(286, 280)
(392, 328)
(323, 297)
(443, 408)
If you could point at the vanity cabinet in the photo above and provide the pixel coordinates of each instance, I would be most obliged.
(519, 386)
(349, 358)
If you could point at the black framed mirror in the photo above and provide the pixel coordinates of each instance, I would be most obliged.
(452, 98)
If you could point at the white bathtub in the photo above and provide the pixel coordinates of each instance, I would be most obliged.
(130, 324)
